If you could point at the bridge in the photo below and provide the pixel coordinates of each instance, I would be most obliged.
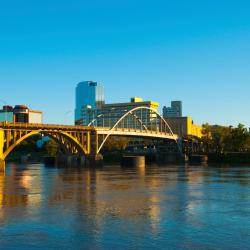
(142, 122)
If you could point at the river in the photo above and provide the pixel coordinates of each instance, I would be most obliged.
(152, 207)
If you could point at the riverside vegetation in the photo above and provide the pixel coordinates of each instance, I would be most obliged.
(226, 144)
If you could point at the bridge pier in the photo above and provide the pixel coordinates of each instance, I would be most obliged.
(82, 161)
(94, 161)
(2, 165)
(68, 161)
(133, 161)
(170, 157)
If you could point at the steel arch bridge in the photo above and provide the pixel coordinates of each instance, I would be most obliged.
(74, 139)
(137, 122)
(88, 140)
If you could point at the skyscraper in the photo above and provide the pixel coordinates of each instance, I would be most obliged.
(177, 106)
(88, 94)
(174, 111)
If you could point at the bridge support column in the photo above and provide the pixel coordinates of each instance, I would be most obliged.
(82, 161)
(93, 161)
(2, 161)
(170, 157)
(2, 165)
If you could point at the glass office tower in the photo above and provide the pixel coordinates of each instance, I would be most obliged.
(174, 111)
(89, 94)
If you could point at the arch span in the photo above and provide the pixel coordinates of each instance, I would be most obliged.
(160, 124)
(63, 138)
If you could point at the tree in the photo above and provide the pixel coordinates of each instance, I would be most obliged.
(116, 144)
(207, 136)
(51, 147)
(221, 138)
(239, 136)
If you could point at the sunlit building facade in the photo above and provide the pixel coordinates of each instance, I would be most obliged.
(184, 126)
(108, 114)
(89, 95)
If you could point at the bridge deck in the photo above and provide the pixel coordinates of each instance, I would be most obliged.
(98, 130)
(34, 126)
(135, 132)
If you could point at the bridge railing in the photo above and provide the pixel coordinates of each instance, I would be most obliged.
(19, 125)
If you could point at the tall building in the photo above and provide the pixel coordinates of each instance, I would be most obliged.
(174, 111)
(89, 94)
(20, 114)
(113, 111)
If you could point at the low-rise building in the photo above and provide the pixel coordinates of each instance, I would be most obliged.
(184, 126)
(35, 116)
(6, 114)
(20, 114)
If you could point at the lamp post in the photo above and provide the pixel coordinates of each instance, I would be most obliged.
(100, 115)
(5, 113)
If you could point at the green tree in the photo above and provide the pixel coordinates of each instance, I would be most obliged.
(116, 144)
(240, 138)
(220, 139)
(207, 136)
(51, 148)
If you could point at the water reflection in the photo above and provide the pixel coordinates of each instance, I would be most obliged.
(142, 208)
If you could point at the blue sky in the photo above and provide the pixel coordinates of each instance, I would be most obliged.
(194, 51)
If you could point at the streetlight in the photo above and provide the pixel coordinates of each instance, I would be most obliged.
(5, 113)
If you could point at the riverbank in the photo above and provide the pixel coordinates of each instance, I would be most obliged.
(30, 157)
(116, 157)
(229, 157)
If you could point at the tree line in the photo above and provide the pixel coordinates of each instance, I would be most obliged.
(221, 139)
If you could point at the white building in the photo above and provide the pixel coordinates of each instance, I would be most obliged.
(35, 116)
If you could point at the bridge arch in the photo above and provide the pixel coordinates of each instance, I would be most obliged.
(132, 112)
(63, 138)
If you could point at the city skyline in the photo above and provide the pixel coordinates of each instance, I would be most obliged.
(158, 52)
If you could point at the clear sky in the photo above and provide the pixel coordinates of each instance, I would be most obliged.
(197, 51)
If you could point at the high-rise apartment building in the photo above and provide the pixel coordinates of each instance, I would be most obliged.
(174, 111)
(89, 94)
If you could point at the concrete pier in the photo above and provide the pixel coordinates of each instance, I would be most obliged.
(170, 158)
(74, 161)
(133, 161)
(2, 165)
(198, 159)
(82, 161)
(94, 161)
